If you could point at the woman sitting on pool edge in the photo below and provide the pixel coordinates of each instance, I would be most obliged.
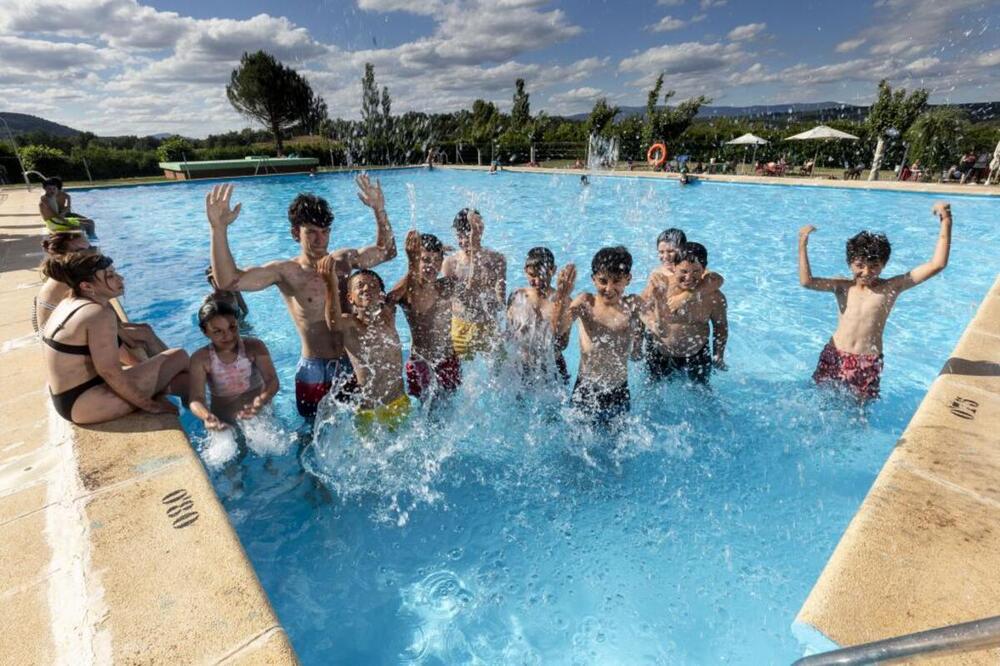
(85, 376)
(239, 371)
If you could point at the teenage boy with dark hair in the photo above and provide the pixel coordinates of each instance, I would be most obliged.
(853, 357)
(610, 334)
(426, 301)
(678, 340)
(323, 362)
(481, 275)
(669, 244)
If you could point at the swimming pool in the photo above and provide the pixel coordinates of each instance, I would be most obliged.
(501, 535)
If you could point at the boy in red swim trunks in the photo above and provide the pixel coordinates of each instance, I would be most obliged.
(426, 300)
(853, 357)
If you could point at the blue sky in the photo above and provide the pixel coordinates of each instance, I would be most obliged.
(143, 66)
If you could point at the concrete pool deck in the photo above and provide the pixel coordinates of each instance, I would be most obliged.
(114, 546)
(102, 562)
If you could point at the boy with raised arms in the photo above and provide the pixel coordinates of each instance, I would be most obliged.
(323, 360)
(426, 301)
(853, 356)
(481, 278)
(678, 340)
(531, 318)
(610, 333)
(368, 331)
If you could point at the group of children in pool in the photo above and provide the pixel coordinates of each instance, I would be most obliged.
(351, 348)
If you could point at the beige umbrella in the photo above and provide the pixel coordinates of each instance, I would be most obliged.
(821, 133)
(748, 139)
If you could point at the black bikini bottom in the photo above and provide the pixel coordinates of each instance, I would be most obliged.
(64, 401)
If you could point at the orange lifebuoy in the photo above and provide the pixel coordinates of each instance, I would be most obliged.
(657, 161)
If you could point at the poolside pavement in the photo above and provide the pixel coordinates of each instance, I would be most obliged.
(114, 545)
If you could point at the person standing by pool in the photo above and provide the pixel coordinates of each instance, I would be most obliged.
(853, 356)
(610, 335)
(323, 363)
(680, 340)
(370, 337)
(86, 380)
(426, 299)
(481, 276)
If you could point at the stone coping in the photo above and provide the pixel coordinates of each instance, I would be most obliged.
(923, 551)
(115, 548)
(793, 181)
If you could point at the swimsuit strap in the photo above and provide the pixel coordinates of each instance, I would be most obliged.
(80, 350)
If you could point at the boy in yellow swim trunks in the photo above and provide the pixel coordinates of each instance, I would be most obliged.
(55, 209)
(481, 297)
(372, 342)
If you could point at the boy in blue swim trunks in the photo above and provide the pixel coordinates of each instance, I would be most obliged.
(324, 364)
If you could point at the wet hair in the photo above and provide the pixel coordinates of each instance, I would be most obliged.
(431, 243)
(693, 252)
(868, 247)
(541, 259)
(613, 261)
(59, 243)
(54, 180)
(75, 268)
(461, 222)
(307, 208)
(213, 308)
(674, 237)
(364, 271)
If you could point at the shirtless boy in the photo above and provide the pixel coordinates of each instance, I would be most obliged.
(853, 357)
(678, 340)
(426, 302)
(55, 207)
(323, 360)
(610, 334)
(482, 287)
(531, 319)
(669, 244)
(368, 331)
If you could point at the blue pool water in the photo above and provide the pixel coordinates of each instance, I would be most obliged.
(497, 533)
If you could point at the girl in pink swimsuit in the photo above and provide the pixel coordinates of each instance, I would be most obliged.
(238, 371)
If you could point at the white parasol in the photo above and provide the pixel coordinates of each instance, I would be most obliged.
(821, 133)
(748, 139)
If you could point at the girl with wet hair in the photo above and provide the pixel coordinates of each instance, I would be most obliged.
(86, 380)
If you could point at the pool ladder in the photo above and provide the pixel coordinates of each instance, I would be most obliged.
(965, 637)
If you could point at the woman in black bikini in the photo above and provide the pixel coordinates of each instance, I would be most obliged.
(85, 375)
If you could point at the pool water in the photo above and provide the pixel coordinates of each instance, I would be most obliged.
(498, 530)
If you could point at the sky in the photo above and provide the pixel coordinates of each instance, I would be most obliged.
(117, 67)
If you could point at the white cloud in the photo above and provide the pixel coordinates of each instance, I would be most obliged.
(669, 3)
(707, 4)
(923, 65)
(849, 45)
(666, 24)
(686, 58)
(748, 31)
(990, 59)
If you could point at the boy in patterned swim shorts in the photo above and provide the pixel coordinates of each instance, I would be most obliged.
(853, 357)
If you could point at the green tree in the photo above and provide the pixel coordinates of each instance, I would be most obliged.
(485, 125)
(601, 118)
(316, 115)
(387, 138)
(892, 111)
(520, 113)
(174, 149)
(371, 116)
(267, 91)
(664, 123)
(936, 137)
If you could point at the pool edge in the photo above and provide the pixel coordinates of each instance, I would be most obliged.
(103, 558)
(923, 549)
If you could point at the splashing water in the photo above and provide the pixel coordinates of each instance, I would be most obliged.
(411, 197)
(219, 448)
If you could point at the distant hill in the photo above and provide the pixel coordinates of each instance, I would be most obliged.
(22, 122)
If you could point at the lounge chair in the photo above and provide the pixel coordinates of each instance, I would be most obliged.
(806, 169)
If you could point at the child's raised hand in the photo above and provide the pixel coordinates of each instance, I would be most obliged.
(805, 231)
(475, 229)
(412, 244)
(942, 209)
(565, 280)
(370, 195)
(217, 208)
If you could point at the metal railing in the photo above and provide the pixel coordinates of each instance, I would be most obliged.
(965, 637)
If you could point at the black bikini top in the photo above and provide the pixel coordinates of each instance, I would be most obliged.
(79, 350)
